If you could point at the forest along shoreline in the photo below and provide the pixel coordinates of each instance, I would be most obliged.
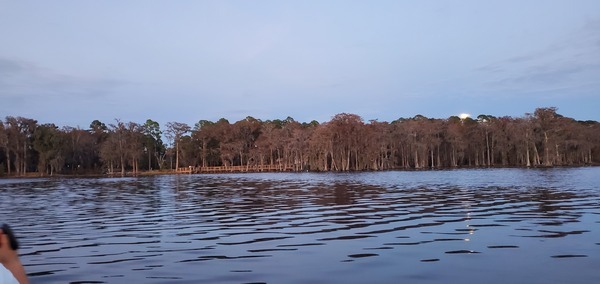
(346, 143)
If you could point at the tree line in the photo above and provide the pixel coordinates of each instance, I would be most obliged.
(543, 138)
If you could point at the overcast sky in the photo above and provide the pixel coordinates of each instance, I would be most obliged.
(70, 62)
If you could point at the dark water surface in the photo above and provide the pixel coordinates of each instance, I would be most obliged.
(459, 226)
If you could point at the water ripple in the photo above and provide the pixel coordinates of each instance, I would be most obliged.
(304, 228)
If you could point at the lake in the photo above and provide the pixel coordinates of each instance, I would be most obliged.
(451, 226)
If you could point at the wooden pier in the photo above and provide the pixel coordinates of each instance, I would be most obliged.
(235, 169)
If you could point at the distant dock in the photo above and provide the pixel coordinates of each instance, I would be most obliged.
(235, 169)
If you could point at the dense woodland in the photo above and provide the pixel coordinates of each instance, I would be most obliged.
(345, 143)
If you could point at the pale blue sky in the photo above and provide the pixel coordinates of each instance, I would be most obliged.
(70, 62)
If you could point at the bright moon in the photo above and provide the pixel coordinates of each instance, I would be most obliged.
(464, 115)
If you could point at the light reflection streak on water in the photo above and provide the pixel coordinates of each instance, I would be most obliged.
(540, 225)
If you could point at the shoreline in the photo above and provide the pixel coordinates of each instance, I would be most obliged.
(35, 175)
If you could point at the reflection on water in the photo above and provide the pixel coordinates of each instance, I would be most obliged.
(472, 226)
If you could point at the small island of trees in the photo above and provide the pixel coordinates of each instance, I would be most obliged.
(543, 138)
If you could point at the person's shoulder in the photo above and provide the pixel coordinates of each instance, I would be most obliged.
(6, 277)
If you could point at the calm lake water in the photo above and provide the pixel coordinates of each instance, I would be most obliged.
(455, 226)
